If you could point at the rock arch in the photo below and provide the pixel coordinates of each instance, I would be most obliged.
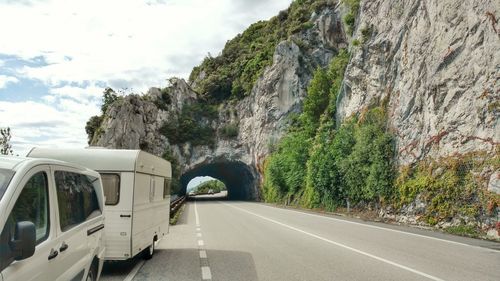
(240, 179)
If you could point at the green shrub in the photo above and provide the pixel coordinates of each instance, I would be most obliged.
(229, 131)
(463, 230)
(215, 185)
(350, 20)
(350, 17)
(285, 170)
(448, 187)
(165, 99)
(192, 125)
(175, 185)
(366, 33)
(108, 98)
(92, 127)
(368, 170)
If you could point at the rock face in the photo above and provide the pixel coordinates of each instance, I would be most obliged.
(261, 117)
(436, 64)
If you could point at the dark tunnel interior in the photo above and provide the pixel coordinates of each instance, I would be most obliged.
(240, 182)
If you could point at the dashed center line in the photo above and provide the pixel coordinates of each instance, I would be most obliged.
(206, 274)
(203, 254)
(196, 215)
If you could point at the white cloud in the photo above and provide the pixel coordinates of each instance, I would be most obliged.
(40, 124)
(132, 44)
(77, 93)
(4, 80)
(118, 40)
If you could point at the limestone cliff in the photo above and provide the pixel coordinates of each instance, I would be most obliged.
(261, 117)
(433, 65)
(437, 65)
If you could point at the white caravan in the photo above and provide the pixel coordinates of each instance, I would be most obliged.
(137, 190)
(51, 221)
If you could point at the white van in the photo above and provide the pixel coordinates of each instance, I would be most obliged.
(51, 221)
(137, 191)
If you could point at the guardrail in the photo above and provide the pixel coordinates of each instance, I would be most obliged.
(176, 204)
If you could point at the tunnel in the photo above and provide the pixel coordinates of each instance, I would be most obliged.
(239, 178)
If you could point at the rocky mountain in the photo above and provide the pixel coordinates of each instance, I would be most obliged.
(432, 65)
(261, 118)
(437, 64)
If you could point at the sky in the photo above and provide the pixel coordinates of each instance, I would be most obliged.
(57, 56)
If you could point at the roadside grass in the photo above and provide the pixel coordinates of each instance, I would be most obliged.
(173, 220)
(372, 216)
(464, 230)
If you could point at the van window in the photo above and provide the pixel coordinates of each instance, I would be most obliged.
(111, 186)
(33, 205)
(76, 197)
(166, 187)
(5, 177)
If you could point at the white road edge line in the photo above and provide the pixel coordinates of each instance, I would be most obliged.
(134, 271)
(341, 245)
(196, 214)
(205, 273)
(381, 228)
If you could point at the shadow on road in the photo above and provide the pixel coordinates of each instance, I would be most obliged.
(118, 270)
(172, 264)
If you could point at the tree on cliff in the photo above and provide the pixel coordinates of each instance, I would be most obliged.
(92, 127)
(5, 146)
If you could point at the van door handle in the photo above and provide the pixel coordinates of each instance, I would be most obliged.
(64, 247)
(125, 216)
(53, 254)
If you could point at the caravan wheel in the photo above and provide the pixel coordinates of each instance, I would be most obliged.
(150, 251)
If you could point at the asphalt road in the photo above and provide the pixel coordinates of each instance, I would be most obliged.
(225, 240)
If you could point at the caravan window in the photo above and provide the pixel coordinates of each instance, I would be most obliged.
(111, 186)
(166, 187)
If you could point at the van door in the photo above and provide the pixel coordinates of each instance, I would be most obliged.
(79, 219)
(34, 202)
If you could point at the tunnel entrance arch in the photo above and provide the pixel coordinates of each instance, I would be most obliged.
(240, 179)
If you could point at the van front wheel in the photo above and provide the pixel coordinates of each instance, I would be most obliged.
(149, 251)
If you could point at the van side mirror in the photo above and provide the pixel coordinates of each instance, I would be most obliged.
(24, 242)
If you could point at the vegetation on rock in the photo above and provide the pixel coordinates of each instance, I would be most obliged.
(192, 125)
(350, 17)
(175, 185)
(451, 187)
(233, 73)
(317, 166)
(229, 131)
(5, 146)
(92, 128)
(215, 185)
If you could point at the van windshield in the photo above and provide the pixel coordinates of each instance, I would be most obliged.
(5, 177)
